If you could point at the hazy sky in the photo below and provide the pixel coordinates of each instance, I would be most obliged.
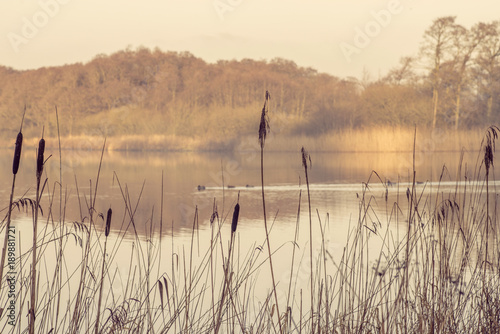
(339, 37)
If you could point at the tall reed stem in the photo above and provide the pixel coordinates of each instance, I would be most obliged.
(263, 129)
(305, 157)
(103, 268)
(39, 171)
(226, 287)
(489, 149)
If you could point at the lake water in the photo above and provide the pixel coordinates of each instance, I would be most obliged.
(334, 178)
(336, 185)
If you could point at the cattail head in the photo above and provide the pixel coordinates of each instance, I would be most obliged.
(264, 121)
(236, 213)
(39, 160)
(108, 222)
(489, 147)
(488, 156)
(305, 157)
(17, 153)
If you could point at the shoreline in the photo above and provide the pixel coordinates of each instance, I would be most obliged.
(371, 140)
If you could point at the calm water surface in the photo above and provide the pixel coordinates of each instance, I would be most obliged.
(138, 179)
(335, 180)
(336, 183)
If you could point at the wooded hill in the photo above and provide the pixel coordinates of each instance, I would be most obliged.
(452, 83)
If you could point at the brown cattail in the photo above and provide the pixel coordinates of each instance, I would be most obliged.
(489, 148)
(17, 153)
(39, 160)
(264, 121)
(236, 213)
(305, 157)
(108, 222)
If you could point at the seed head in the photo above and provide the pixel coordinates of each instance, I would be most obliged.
(17, 153)
(236, 213)
(264, 121)
(39, 160)
(108, 222)
(489, 147)
(305, 157)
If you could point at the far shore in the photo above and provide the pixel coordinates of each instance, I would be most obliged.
(381, 139)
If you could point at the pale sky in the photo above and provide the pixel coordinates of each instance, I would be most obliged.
(339, 37)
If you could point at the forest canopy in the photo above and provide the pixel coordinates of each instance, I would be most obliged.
(452, 83)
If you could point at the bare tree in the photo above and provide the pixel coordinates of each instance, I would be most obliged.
(466, 43)
(403, 74)
(438, 41)
(488, 63)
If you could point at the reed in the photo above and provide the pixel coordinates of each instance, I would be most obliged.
(305, 158)
(226, 288)
(489, 148)
(39, 170)
(106, 234)
(381, 139)
(78, 311)
(15, 168)
(295, 237)
(263, 130)
(58, 271)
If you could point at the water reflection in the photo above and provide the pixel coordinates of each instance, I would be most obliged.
(138, 179)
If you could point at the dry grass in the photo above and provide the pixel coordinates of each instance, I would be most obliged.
(377, 139)
(136, 143)
(381, 139)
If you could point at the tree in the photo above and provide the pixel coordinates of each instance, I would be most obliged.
(465, 44)
(488, 64)
(438, 40)
(403, 74)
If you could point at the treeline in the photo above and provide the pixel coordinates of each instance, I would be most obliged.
(452, 83)
(144, 91)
